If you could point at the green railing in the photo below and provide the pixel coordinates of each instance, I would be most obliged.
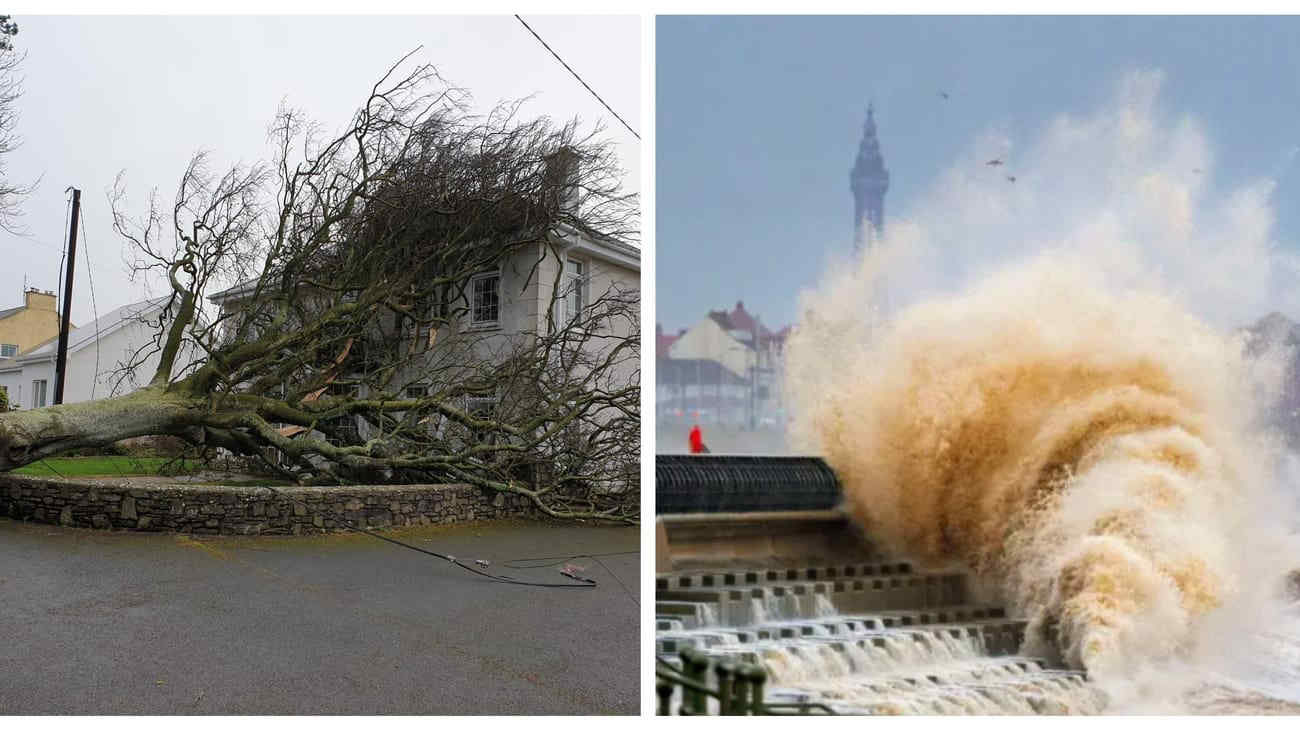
(737, 687)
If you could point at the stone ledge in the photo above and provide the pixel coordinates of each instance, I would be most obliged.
(117, 504)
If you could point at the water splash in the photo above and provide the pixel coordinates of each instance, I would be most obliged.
(1069, 417)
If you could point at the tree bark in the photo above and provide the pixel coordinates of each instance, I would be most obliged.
(27, 436)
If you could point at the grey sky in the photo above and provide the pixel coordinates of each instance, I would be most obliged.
(758, 121)
(142, 94)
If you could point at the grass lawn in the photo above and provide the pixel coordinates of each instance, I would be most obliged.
(102, 466)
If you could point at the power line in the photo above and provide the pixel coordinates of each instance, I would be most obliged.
(94, 307)
(579, 78)
(577, 582)
(58, 298)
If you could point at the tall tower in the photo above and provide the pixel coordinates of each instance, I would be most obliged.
(869, 180)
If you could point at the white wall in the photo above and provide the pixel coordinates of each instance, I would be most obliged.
(87, 379)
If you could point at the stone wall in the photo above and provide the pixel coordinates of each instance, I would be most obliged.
(182, 508)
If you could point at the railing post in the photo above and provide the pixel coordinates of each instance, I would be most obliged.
(741, 706)
(665, 690)
(726, 675)
(695, 666)
(756, 677)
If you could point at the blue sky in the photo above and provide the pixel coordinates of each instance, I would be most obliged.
(758, 120)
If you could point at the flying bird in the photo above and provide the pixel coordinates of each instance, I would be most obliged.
(994, 162)
(1012, 178)
(943, 94)
(1196, 170)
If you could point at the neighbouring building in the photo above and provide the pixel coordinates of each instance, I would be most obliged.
(97, 353)
(30, 324)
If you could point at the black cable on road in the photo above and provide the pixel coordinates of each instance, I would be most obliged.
(514, 563)
(579, 78)
(581, 581)
(626, 590)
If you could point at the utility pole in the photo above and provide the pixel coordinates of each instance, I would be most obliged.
(61, 366)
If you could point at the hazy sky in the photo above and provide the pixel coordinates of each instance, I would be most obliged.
(142, 94)
(758, 122)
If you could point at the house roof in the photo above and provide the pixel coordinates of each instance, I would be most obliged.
(741, 319)
(12, 311)
(664, 342)
(239, 288)
(603, 247)
(81, 337)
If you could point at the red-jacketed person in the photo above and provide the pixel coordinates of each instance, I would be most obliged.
(697, 441)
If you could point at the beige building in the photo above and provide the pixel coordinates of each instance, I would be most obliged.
(35, 322)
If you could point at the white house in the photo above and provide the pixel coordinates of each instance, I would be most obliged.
(508, 301)
(513, 297)
(96, 353)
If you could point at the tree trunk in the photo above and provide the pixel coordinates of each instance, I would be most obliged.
(27, 436)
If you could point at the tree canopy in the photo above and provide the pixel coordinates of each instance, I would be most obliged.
(346, 346)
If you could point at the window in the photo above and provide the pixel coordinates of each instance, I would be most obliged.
(413, 392)
(8, 350)
(482, 407)
(485, 299)
(575, 286)
(38, 394)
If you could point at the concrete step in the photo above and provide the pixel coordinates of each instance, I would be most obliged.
(749, 577)
(996, 636)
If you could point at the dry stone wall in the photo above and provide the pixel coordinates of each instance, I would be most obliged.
(182, 508)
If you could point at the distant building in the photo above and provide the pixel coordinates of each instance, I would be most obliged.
(27, 326)
(97, 353)
(1278, 331)
(869, 181)
(725, 369)
(729, 368)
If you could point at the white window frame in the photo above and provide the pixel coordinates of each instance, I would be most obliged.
(40, 393)
(571, 285)
(13, 352)
(471, 295)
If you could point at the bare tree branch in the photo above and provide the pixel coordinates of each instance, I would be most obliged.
(355, 344)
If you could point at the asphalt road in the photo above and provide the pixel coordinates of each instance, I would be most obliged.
(117, 623)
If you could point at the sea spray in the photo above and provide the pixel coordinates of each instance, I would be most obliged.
(1061, 398)
(1095, 453)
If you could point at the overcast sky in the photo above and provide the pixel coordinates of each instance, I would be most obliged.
(758, 121)
(142, 94)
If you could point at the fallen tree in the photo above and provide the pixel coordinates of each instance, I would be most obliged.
(405, 305)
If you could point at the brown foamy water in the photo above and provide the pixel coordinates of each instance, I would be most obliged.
(1090, 454)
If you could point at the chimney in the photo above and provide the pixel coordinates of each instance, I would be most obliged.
(36, 299)
(562, 177)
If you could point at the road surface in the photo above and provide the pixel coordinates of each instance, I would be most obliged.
(130, 623)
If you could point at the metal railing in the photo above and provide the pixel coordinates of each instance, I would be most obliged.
(737, 688)
(715, 483)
